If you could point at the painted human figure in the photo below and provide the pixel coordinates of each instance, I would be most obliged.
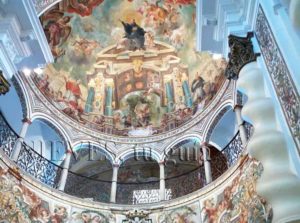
(83, 7)
(197, 88)
(72, 96)
(43, 83)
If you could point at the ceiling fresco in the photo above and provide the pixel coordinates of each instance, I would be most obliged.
(127, 67)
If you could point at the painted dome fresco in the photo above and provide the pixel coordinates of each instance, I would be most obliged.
(127, 67)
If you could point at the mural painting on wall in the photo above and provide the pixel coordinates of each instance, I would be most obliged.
(185, 214)
(239, 203)
(127, 67)
(20, 204)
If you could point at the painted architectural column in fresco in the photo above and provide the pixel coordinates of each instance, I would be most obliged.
(64, 174)
(108, 100)
(240, 122)
(20, 141)
(162, 185)
(206, 159)
(90, 100)
(169, 95)
(187, 94)
(114, 180)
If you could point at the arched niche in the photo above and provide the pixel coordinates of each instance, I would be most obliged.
(90, 172)
(138, 170)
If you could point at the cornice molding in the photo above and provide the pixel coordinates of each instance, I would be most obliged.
(38, 30)
(10, 33)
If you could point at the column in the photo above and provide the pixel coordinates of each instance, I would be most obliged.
(108, 101)
(65, 171)
(18, 146)
(170, 98)
(114, 181)
(278, 184)
(187, 94)
(89, 101)
(162, 185)
(240, 122)
(206, 160)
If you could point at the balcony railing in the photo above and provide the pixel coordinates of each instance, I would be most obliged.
(49, 173)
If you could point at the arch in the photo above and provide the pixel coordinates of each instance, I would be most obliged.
(180, 139)
(215, 145)
(52, 123)
(137, 151)
(23, 95)
(213, 121)
(103, 149)
(48, 7)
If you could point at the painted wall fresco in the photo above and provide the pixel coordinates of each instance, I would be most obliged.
(20, 204)
(127, 67)
(239, 202)
(185, 214)
(235, 202)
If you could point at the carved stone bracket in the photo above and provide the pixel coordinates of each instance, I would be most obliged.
(4, 85)
(241, 53)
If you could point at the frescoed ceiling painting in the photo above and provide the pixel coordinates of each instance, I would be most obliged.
(127, 67)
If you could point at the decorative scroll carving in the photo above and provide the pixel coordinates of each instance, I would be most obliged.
(4, 85)
(284, 85)
(241, 53)
(42, 5)
(137, 216)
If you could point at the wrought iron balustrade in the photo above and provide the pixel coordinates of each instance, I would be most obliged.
(29, 160)
(234, 148)
(38, 166)
(8, 137)
(49, 173)
(187, 182)
(88, 188)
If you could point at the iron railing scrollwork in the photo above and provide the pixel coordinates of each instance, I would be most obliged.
(186, 183)
(87, 187)
(28, 160)
(49, 173)
(38, 166)
(234, 148)
(8, 137)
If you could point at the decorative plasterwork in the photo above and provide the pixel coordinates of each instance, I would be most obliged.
(42, 5)
(241, 53)
(10, 32)
(285, 88)
(228, 17)
(38, 30)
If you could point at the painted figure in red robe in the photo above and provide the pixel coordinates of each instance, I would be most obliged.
(83, 7)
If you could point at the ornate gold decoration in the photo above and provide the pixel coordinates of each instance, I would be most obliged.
(4, 85)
